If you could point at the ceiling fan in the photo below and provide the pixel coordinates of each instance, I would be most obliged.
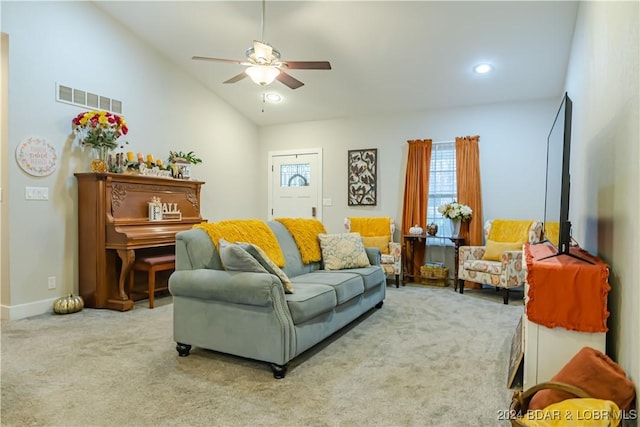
(264, 64)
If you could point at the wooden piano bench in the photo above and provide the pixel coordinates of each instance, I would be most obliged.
(151, 264)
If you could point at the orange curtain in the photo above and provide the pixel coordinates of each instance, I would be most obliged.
(416, 194)
(469, 189)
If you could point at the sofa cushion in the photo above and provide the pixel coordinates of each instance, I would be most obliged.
(346, 285)
(371, 276)
(310, 300)
(493, 250)
(270, 266)
(380, 242)
(344, 250)
(235, 258)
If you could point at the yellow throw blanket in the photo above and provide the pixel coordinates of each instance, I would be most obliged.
(371, 227)
(305, 233)
(509, 230)
(246, 230)
(552, 231)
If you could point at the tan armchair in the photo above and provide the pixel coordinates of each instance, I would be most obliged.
(499, 263)
(378, 232)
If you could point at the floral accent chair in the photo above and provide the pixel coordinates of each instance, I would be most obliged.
(499, 263)
(378, 232)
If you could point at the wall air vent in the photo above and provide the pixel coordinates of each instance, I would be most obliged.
(81, 98)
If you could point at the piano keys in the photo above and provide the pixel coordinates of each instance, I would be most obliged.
(113, 223)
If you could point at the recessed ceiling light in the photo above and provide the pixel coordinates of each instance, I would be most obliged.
(272, 97)
(482, 68)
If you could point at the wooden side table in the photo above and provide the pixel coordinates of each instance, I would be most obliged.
(411, 240)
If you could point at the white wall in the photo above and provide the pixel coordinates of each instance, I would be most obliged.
(75, 44)
(603, 81)
(513, 140)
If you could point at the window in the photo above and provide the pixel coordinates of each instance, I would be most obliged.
(442, 184)
(295, 175)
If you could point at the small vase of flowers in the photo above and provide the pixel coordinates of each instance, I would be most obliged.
(100, 130)
(456, 212)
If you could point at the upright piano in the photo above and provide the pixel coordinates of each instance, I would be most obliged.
(113, 223)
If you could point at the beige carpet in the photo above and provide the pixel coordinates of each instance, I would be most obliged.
(429, 357)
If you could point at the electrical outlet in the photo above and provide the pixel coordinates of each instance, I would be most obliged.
(51, 282)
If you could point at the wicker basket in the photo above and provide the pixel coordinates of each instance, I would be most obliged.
(434, 276)
(520, 399)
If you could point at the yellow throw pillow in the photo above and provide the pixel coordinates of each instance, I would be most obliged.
(381, 242)
(493, 250)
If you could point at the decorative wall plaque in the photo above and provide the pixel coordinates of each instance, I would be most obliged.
(362, 185)
(36, 156)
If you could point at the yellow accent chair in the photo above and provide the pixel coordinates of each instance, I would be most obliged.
(500, 262)
(378, 232)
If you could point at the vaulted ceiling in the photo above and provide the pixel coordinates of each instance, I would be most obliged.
(387, 57)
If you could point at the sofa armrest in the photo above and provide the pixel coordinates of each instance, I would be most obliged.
(509, 257)
(227, 286)
(395, 249)
(513, 273)
(374, 255)
(470, 253)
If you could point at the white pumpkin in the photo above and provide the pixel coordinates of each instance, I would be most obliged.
(416, 229)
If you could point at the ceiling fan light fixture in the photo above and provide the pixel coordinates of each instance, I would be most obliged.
(262, 74)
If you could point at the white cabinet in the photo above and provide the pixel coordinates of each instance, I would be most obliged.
(547, 350)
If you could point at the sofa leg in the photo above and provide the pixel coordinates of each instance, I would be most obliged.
(505, 295)
(279, 371)
(183, 349)
(379, 305)
(461, 285)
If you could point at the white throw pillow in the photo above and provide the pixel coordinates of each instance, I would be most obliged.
(345, 250)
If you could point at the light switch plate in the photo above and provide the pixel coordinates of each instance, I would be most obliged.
(36, 193)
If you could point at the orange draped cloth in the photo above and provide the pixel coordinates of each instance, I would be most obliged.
(567, 292)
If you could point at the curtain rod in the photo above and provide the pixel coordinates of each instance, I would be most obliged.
(441, 142)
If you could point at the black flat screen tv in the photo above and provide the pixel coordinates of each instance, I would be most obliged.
(558, 180)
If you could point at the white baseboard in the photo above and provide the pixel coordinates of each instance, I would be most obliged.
(21, 311)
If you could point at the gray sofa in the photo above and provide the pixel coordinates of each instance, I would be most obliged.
(249, 315)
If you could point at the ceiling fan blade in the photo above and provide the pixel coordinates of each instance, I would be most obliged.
(289, 80)
(307, 65)
(236, 78)
(230, 61)
(262, 52)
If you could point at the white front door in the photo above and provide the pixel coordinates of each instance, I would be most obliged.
(295, 184)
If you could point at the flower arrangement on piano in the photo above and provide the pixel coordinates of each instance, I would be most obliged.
(456, 211)
(100, 129)
(181, 157)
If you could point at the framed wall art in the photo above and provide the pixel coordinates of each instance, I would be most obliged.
(363, 175)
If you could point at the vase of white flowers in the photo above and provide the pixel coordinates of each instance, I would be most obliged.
(456, 212)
